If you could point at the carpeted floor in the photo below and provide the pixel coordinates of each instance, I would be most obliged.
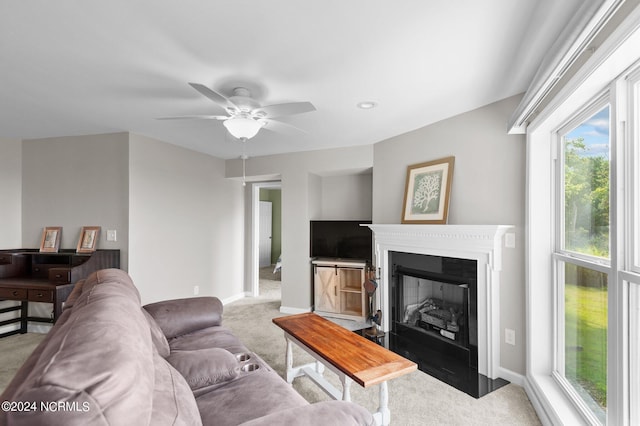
(414, 399)
(14, 350)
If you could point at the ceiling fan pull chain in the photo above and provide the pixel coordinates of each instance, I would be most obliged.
(244, 159)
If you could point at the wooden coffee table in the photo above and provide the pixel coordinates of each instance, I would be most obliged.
(352, 357)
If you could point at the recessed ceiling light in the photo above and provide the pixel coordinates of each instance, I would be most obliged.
(367, 104)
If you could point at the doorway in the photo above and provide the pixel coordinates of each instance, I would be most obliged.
(266, 240)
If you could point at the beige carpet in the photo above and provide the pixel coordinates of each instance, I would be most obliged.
(414, 399)
(14, 351)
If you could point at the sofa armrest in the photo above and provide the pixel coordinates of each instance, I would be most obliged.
(318, 414)
(181, 316)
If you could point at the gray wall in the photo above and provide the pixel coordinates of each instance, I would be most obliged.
(74, 182)
(488, 188)
(346, 197)
(186, 221)
(10, 209)
(10, 193)
(179, 221)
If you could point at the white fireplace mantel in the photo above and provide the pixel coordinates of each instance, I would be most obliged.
(482, 243)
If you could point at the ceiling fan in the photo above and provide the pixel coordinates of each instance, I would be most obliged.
(245, 117)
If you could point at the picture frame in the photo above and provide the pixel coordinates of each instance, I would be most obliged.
(427, 192)
(88, 239)
(50, 241)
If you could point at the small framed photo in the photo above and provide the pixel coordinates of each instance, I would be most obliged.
(426, 196)
(88, 239)
(50, 242)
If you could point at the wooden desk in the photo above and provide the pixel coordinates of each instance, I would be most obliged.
(25, 290)
(352, 357)
(26, 275)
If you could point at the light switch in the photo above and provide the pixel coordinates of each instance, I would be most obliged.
(510, 240)
(111, 235)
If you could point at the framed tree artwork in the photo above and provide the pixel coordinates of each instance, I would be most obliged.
(50, 241)
(427, 190)
(88, 239)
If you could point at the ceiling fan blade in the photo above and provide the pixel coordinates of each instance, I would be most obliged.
(280, 110)
(214, 96)
(281, 127)
(195, 117)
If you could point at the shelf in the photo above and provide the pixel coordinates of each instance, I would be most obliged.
(352, 313)
(338, 288)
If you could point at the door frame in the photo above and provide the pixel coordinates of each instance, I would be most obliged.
(255, 233)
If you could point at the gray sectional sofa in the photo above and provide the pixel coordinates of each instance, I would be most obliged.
(109, 361)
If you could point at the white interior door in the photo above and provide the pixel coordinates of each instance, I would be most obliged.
(265, 234)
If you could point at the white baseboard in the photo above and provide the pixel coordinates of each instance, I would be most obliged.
(239, 296)
(515, 378)
(291, 311)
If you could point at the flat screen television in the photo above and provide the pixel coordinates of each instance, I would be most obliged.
(342, 239)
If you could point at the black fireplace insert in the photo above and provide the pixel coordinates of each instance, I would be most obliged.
(434, 320)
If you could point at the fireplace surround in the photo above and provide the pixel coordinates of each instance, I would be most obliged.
(477, 245)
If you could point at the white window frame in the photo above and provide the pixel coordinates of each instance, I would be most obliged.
(632, 148)
(606, 68)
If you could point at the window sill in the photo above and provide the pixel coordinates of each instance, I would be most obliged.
(550, 402)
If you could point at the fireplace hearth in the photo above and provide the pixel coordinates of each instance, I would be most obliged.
(439, 288)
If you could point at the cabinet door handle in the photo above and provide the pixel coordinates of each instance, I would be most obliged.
(58, 276)
(335, 290)
(40, 295)
(15, 293)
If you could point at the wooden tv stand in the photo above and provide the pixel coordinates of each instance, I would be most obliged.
(26, 275)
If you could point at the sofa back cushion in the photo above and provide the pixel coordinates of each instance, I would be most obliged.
(97, 367)
(183, 316)
(157, 336)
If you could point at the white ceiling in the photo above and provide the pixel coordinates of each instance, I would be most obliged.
(74, 67)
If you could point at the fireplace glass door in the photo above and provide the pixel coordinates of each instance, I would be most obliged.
(433, 307)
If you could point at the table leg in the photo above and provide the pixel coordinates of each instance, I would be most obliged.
(383, 415)
(289, 361)
(24, 314)
(346, 387)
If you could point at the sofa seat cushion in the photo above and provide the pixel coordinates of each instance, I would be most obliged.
(205, 367)
(211, 337)
(250, 396)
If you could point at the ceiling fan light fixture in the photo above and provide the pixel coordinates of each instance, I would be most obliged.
(242, 127)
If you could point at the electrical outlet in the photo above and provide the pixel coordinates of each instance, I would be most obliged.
(111, 235)
(510, 336)
(196, 290)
